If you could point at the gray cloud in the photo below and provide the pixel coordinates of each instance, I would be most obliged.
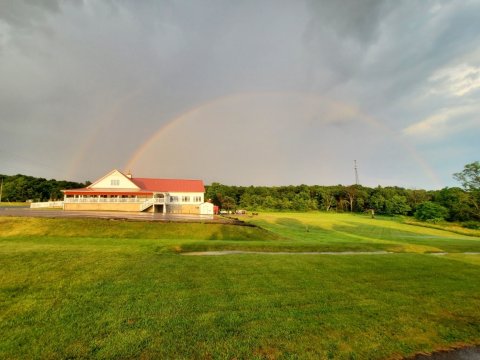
(84, 84)
(28, 15)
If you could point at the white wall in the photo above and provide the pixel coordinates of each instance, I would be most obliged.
(206, 209)
(105, 182)
(181, 194)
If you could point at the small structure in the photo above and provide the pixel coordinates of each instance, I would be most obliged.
(206, 208)
(119, 192)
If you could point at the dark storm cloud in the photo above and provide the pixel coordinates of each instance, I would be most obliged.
(348, 19)
(84, 84)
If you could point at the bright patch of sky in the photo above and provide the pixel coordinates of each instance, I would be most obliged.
(456, 81)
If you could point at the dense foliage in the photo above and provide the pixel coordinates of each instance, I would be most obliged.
(430, 211)
(452, 204)
(22, 188)
(339, 198)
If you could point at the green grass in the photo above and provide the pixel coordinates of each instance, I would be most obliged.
(443, 225)
(8, 203)
(115, 289)
(344, 232)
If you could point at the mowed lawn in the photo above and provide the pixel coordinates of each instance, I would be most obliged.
(86, 288)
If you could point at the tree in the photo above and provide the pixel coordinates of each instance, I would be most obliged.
(377, 202)
(228, 203)
(326, 199)
(284, 204)
(351, 194)
(397, 205)
(469, 177)
(430, 211)
(22, 187)
(415, 197)
(457, 201)
(269, 202)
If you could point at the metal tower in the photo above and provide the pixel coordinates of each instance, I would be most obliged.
(357, 182)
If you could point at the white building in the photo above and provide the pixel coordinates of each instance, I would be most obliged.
(119, 192)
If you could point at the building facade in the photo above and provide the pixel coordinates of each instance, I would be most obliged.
(121, 192)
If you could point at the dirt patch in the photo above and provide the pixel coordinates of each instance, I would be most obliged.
(467, 353)
(239, 252)
(235, 252)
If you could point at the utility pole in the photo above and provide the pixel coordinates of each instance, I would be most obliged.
(1, 190)
(357, 182)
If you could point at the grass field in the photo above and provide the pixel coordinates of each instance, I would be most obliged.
(9, 204)
(84, 288)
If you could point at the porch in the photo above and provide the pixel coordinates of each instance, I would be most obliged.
(157, 203)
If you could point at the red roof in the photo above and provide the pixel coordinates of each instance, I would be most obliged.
(146, 186)
(169, 185)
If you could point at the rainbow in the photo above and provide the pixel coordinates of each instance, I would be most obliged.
(345, 108)
(105, 119)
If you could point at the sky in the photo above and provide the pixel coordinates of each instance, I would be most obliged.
(254, 92)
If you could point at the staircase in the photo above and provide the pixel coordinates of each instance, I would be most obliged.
(150, 202)
(144, 206)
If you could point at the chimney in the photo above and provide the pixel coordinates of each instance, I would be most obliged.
(129, 174)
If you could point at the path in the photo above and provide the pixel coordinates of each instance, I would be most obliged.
(237, 252)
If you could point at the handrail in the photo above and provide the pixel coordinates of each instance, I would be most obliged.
(151, 202)
(112, 200)
(147, 204)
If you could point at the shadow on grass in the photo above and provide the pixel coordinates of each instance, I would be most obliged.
(290, 222)
(406, 239)
(367, 237)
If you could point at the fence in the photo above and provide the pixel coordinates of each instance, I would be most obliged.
(46, 204)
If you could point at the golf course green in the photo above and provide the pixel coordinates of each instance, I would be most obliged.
(91, 288)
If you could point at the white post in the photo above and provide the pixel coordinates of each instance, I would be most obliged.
(164, 209)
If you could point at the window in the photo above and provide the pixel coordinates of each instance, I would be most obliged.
(185, 198)
(114, 182)
(197, 199)
(173, 198)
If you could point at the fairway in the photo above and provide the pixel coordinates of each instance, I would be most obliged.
(86, 288)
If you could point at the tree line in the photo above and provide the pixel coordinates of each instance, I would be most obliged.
(460, 204)
(450, 203)
(23, 188)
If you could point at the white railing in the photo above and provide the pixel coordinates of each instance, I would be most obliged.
(147, 204)
(46, 204)
(112, 200)
(160, 201)
(151, 202)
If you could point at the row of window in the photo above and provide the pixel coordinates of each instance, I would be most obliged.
(108, 196)
(185, 198)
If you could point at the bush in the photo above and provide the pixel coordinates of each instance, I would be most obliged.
(429, 211)
(471, 225)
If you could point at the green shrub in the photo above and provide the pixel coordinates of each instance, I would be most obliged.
(430, 211)
(471, 225)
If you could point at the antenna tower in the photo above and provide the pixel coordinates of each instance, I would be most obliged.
(357, 182)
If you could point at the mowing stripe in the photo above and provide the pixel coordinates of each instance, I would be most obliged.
(238, 252)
